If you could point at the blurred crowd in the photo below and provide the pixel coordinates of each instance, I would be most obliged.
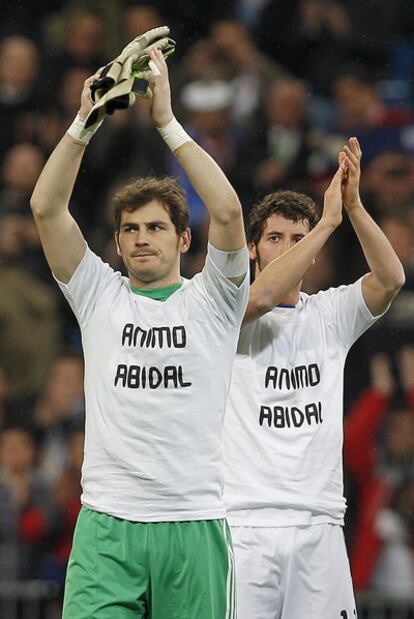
(271, 89)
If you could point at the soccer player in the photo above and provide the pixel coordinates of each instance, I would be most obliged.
(151, 539)
(283, 429)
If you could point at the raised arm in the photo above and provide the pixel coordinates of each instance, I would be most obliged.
(281, 275)
(61, 238)
(226, 227)
(386, 277)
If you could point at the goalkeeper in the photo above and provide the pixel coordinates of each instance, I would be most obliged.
(151, 539)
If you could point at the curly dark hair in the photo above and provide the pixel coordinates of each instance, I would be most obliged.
(290, 204)
(140, 191)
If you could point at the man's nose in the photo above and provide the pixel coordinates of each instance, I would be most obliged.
(141, 237)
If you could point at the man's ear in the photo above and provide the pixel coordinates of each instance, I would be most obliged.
(185, 241)
(118, 249)
(252, 251)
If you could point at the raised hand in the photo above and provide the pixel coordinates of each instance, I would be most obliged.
(161, 109)
(332, 204)
(351, 157)
(86, 99)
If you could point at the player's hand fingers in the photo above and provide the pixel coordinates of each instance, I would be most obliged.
(341, 157)
(158, 60)
(351, 167)
(337, 179)
(351, 155)
(341, 171)
(355, 146)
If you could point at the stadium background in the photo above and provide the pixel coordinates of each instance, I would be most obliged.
(272, 89)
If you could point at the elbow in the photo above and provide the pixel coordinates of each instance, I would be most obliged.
(231, 211)
(400, 280)
(396, 283)
(260, 304)
(36, 206)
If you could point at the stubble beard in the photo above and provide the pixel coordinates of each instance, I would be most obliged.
(151, 274)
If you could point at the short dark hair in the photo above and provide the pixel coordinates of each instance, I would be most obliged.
(290, 204)
(140, 191)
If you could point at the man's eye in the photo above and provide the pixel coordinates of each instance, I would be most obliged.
(274, 237)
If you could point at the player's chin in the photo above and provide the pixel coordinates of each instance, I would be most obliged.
(146, 274)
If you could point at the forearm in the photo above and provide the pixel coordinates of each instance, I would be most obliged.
(281, 275)
(378, 251)
(55, 184)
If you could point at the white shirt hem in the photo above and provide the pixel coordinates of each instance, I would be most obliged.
(178, 516)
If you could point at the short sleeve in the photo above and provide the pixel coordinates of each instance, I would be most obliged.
(82, 291)
(228, 300)
(346, 312)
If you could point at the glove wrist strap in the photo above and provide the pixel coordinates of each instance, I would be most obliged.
(78, 132)
(174, 135)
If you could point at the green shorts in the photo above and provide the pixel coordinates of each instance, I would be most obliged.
(120, 569)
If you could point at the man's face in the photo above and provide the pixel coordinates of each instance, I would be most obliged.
(149, 245)
(279, 235)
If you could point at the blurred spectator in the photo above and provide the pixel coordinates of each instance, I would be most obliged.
(246, 68)
(23, 495)
(382, 555)
(30, 329)
(283, 146)
(82, 46)
(138, 17)
(324, 37)
(362, 113)
(249, 11)
(19, 239)
(20, 170)
(389, 180)
(26, 17)
(59, 409)
(65, 506)
(19, 90)
(200, 63)
(7, 414)
(207, 106)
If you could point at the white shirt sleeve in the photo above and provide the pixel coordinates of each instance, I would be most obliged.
(346, 312)
(85, 285)
(227, 300)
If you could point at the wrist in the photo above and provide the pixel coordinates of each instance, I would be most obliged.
(174, 134)
(329, 223)
(354, 205)
(164, 121)
(77, 129)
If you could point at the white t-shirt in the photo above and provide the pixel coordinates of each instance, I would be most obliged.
(283, 428)
(157, 376)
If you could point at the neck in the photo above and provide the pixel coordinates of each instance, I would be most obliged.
(292, 298)
(162, 282)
